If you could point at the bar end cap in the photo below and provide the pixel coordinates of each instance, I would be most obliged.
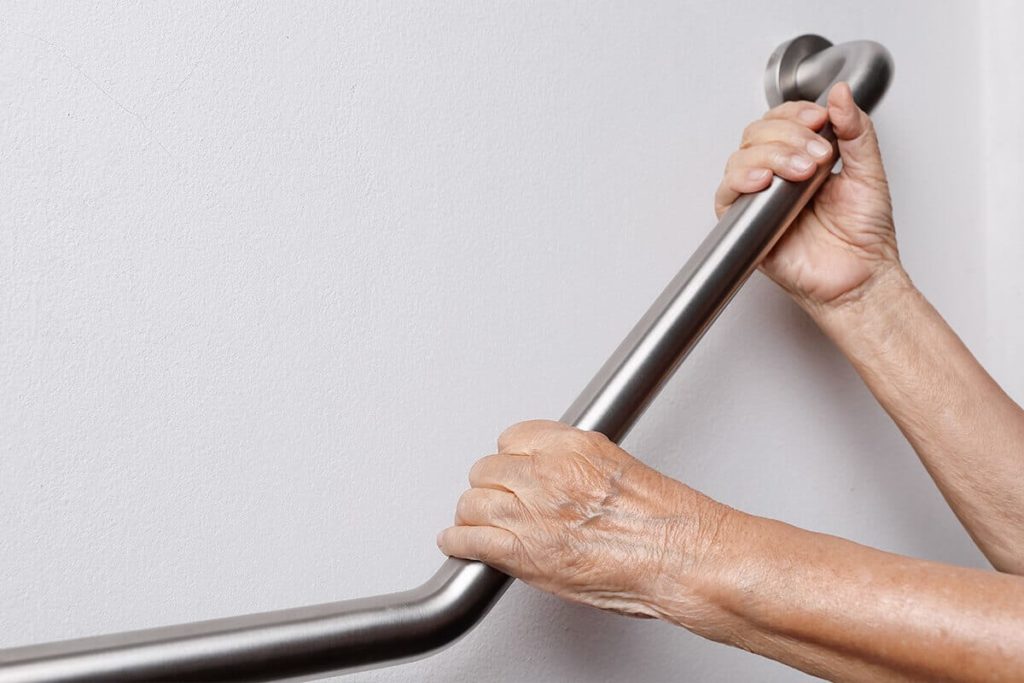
(780, 74)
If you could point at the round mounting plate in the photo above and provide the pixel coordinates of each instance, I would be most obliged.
(780, 74)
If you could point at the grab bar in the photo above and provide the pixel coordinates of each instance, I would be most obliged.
(365, 633)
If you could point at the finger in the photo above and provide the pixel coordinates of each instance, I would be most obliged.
(485, 507)
(737, 182)
(750, 169)
(786, 161)
(524, 437)
(496, 547)
(502, 471)
(858, 144)
(807, 113)
(787, 132)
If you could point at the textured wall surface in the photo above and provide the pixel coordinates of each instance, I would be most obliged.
(272, 276)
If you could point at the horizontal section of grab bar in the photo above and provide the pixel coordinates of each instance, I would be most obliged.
(275, 645)
(358, 634)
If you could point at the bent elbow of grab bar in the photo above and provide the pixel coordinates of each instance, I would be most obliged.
(386, 629)
(430, 617)
(344, 636)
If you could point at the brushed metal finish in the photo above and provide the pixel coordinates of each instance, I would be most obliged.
(281, 645)
(357, 634)
(780, 75)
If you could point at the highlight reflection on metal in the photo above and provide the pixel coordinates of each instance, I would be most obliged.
(358, 634)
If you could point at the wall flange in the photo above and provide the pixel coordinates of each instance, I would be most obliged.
(780, 83)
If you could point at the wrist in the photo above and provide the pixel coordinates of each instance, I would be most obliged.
(688, 585)
(728, 594)
(866, 306)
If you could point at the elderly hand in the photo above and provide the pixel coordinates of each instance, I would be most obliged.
(844, 241)
(571, 513)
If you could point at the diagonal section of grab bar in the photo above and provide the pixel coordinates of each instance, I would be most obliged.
(387, 629)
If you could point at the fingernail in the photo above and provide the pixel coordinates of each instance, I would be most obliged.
(800, 163)
(818, 148)
(440, 534)
(809, 115)
(757, 174)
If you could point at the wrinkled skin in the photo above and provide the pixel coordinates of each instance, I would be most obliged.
(571, 513)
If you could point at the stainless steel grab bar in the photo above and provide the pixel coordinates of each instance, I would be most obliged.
(358, 634)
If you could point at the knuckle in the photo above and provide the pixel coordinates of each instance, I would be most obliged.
(741, 160)
(801, 105)
(509, 434)
(800, 137)
(464, 507)
(546, 426)
(780, 110)
(578, 440)
(776, 158)
(521, 435)
(749, 134)
(596, 439)
(478, 468)
(789, 110)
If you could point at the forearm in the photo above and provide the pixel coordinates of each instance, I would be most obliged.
(968, 433)
(843, 611)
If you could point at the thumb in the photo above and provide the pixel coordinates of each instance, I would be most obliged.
(858, 145)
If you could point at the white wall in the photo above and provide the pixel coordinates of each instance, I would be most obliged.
(274, 275)
(1002, 172)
